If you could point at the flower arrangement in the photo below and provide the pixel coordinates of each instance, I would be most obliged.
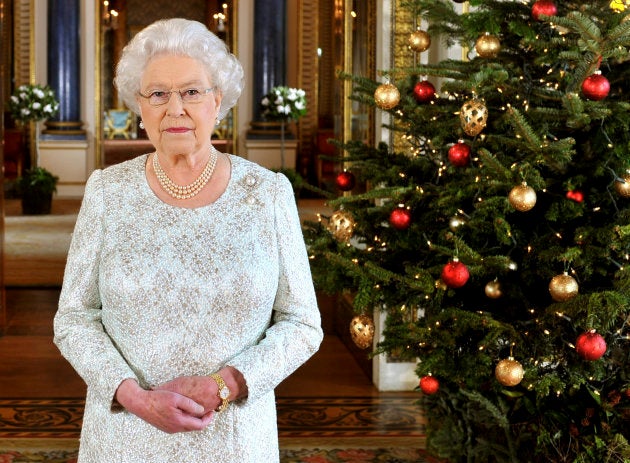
(33, 103)
(284, 103)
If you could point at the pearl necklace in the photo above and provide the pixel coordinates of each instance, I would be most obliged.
(185, 191)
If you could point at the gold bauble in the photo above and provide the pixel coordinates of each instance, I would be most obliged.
(622, 186)
(522, 197)
(493, 289)
(362, 331)
(419, 41)
(341, 225)
(386, 96)
(488, 46)
(509, 372)
(563, 287)
(473, 117)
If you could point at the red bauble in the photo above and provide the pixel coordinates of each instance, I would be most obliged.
(595, 87)
(400, 218)
(545, 7)
(429, 384)
(575, 195)
(455, 274)
(424, 91)
(345, 181)
(590, 345)
(459, 154)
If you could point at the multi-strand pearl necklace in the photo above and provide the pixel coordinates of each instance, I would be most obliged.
(185, 191)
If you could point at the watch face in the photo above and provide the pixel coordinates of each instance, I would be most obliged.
(224, 393)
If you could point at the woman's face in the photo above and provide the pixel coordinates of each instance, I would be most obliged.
(182, 122)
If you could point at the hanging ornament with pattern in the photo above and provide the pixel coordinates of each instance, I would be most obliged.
(473, 117)
(341, 225)
(362, 331)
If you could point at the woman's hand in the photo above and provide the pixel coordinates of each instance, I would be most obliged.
(200, 389)
(204, 389)
(168, 411)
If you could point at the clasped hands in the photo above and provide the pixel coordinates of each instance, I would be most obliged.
(187, 403)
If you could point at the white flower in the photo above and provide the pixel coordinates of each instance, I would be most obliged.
(38, 92)
(265, 101)
(279, 100)
(36, 105)
(15, 99)
(48, 108)
(299, 105)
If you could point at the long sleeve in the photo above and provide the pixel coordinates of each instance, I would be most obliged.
(78, 329)
(295, 333)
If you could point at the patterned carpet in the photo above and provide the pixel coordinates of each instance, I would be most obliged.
(312, 430)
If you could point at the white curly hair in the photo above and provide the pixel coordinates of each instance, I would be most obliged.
(182, 37)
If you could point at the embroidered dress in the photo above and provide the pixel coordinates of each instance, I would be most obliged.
(153, 291)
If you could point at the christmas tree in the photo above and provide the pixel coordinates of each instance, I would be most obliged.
(494, 228)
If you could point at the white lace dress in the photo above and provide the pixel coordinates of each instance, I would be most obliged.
(153, 292)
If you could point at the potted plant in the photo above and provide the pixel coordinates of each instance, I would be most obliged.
(283, 104)
(36, 187)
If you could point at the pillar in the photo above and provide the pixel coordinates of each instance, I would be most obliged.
(269, 48)
(64, 68)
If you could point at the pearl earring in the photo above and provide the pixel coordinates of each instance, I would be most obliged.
(141, 124)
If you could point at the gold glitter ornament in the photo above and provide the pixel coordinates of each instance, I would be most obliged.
(493, 289)
(473, 117)
(362, 331)
(419, 41)
(509, 372)
(386, 96)
(488, 46)
(522, 197)
(622, 186)
(341, 225)
(563, 287)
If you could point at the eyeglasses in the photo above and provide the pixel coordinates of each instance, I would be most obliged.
(188, 96)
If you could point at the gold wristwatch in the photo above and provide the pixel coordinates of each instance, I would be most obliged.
(223, 392)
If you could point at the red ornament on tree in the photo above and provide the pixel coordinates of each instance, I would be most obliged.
(429, 384)
(544, 7)
(595, 87)
(459, 154)
(455, 274)
(345, 181)
(424, 91)
(575, 195)
(590, 345)
(400, 218)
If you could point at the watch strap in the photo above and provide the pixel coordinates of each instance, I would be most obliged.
(223, 392)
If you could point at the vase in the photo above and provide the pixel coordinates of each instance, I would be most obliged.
(35, 203)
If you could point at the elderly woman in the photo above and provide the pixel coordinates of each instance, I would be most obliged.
(187, 296)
